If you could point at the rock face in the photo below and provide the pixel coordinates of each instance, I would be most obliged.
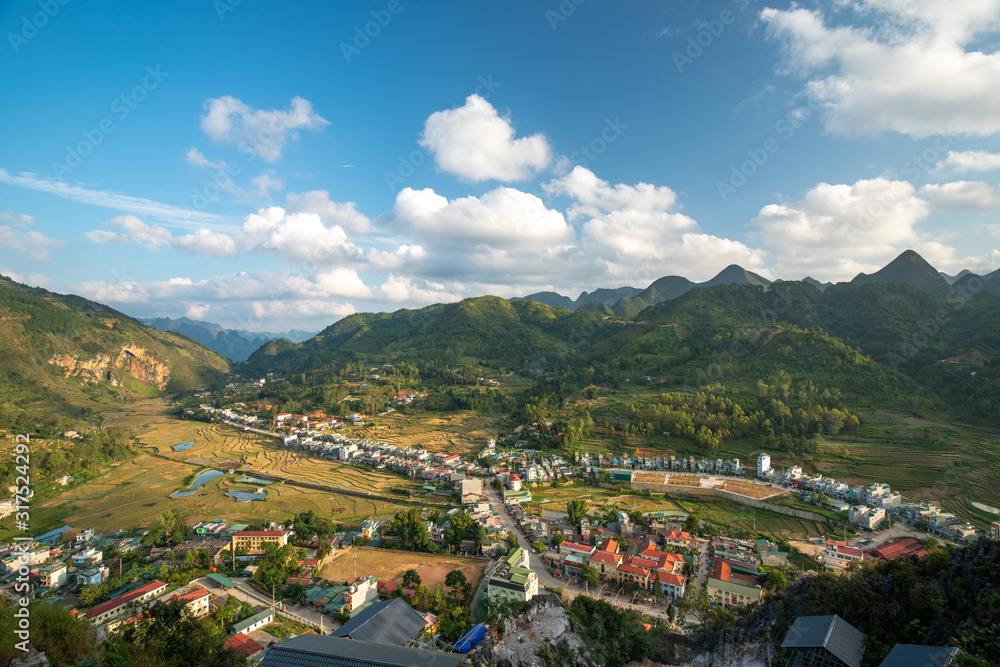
(543, 629)
(130, 360)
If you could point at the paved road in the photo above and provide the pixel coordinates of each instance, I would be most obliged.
(245, 593)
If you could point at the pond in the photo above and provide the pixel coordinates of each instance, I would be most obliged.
(183, 446)
(986, 508)
(246, 496)
(181, 493)
(205, 476)
(253, 480)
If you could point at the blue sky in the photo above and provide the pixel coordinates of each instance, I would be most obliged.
(269, 168)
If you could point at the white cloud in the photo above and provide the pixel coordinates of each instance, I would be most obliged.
(908, 67)
(208, 242)
(224, 172)
(197, 311)
(229, 120)
(838, 231)
(476, 144)
(632, 231)
(198, 159)
(171, 215)
(298, 237)
(961, 162)
(26, 241)
(332, 213)
(401, 288)
(33, 279)
(961, 194)
(130, 229)
(501, 218)
(398, 258)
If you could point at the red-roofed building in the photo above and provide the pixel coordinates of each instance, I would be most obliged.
(386, 588)
(197, 601)
(606, 563)
(628, 573)
(112, 609)
(243, 645)
(579, 549)
(514, 482)
(721, 571)
(609, 545)
(255, 539)
(672, 584)
(677, 538)
(905, 546)
(646, 563)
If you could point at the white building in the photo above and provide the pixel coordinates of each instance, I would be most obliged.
(364, 589)
(995, 530)
(763, 464)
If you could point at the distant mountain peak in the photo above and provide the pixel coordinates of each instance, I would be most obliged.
(910, 268)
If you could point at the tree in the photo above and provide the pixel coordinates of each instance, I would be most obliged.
(774, 579)
(590, 575)
(64, 638)
(411, 579)
(511, 540)
(539, 547)
(460, 586)
(657, 588)
(577, 510)
(559, 537)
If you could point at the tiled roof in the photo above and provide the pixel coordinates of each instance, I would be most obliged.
(606, 558)
(243, 645)
(632, 569)
(830, 632)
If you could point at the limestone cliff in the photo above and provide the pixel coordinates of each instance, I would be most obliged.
(130, 360)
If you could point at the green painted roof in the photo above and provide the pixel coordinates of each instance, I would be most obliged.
(221, 580)
(514, 555)
(253, 620)
(748, 591)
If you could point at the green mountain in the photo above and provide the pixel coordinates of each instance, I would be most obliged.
(912, 269)
(512, 333)
(67, 352)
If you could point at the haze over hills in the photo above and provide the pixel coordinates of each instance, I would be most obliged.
(71, 353)
(234, 344)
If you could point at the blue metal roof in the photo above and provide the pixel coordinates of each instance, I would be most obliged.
(472, 639)
(389, 622)
(318, 651)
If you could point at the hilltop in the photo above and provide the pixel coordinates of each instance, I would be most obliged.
(69, 353)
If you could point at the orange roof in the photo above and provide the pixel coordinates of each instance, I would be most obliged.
(632, 569)
(191, 596)
(722, 571)
(647, 563)
(609, 545)
(667, 578)
(243, 645)
(606, 557)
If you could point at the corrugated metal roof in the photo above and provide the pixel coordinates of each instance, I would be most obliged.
(910, 655)
(317, 651)
(253, 620)
(389, 622)
(830, 632)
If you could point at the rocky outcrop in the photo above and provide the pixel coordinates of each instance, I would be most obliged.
(542, 630)
(130, 360)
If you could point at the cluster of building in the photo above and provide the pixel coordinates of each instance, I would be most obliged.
(595, 462)
(869, 506)
(637, 565)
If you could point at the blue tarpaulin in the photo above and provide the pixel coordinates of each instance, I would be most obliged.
(472, 639)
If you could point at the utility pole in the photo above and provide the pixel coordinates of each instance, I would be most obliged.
(355, 566)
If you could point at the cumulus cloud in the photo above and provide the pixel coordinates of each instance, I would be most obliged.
(633, 230)
(477, 144)
(341, 214)
(197, 311)
(961, 194)
(401, 288)
(22, 240)
(388, 260)
(298, 237)
(961, 162)
(838, 231)
(229, 120)
(130, 229)
(908, 67)
(263, 185)
(208, 242)
(502, 218)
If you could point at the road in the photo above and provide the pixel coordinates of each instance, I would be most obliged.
(245, 593)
